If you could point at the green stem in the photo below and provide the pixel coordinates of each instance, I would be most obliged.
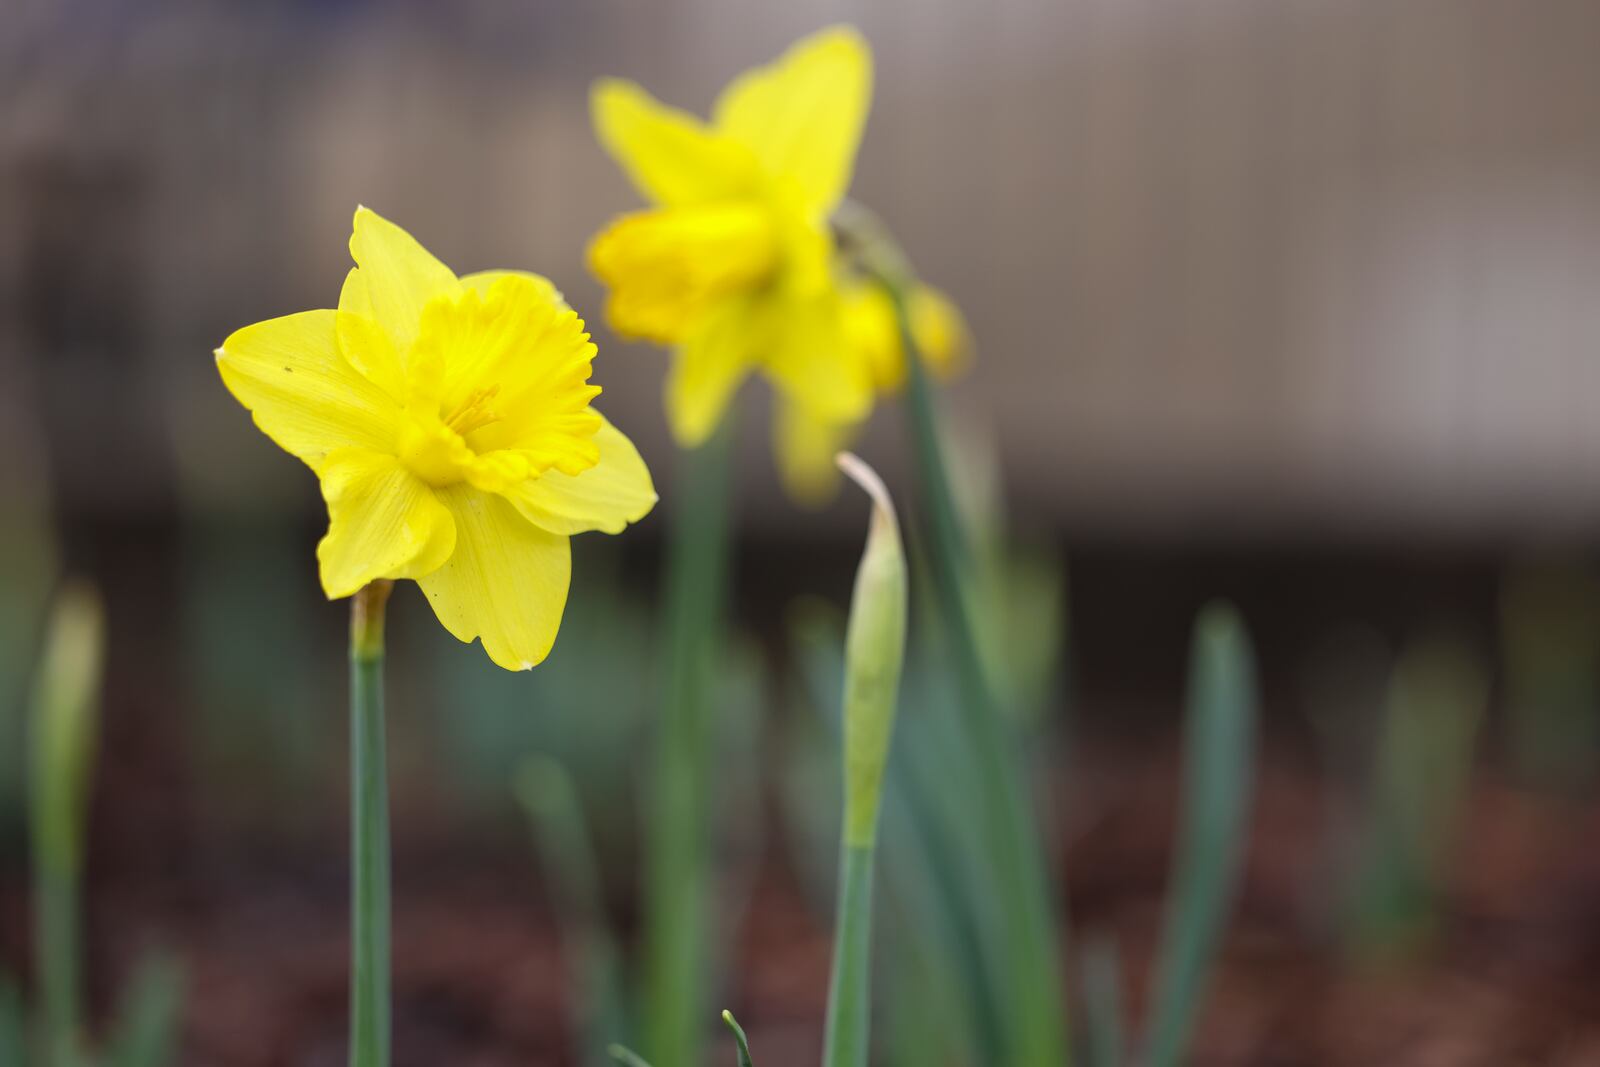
(850, 988)
(369, 827)
(56, 902)
(1036, 997)
(678, 880)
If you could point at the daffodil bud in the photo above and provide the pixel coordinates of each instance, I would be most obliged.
(874, 651)
(66, 698)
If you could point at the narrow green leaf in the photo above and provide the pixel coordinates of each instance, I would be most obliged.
(1219, 747)
(738, 1036)
(65, 732)
(146, 1031)
(561, 833)
(626, 1056)
(1437, 701)
(13, 1023)
(1102, 994)
(1032, 998)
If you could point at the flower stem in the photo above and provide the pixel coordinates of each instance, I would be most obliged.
(875, 643)
(369, 827)
(679, 854)
(1035, 997)
(849, 989)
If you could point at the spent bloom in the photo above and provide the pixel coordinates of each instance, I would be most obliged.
(449, 421)
(736, 264)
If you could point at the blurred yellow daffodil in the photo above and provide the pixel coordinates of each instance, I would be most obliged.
(737, 265)
(449, 422)
(734, 265)
(808, 440)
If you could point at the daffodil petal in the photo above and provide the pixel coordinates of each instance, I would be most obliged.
(399, 275)
(506, 582)
(671, 156)
(301, 391)
(367, 346)
(811, 358)
(383, 522)
(806, 446)
(803, 114)
(708, 367)
(940, 331)
(608, 496)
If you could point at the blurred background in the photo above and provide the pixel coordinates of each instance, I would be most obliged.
(1289, 302)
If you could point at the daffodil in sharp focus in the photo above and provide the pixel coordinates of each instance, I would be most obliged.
(734, 264)
(449, 420)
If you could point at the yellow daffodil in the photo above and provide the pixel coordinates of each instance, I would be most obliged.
(807, 440)
(449, 421)
(734, 263)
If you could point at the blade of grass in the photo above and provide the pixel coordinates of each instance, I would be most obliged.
(1218, 754)
(678, 882)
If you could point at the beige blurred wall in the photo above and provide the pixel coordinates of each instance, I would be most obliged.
(1285, 265)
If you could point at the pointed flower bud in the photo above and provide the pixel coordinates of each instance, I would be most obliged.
(874, 652)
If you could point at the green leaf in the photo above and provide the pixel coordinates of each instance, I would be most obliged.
(627, 1057)
(1031, 992)
(146, 1030)
(1219, 747)
(1102, 995)
(1437, 701)
(738, 1035)
(65, 732)
(561, 833)
(13, 1023)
